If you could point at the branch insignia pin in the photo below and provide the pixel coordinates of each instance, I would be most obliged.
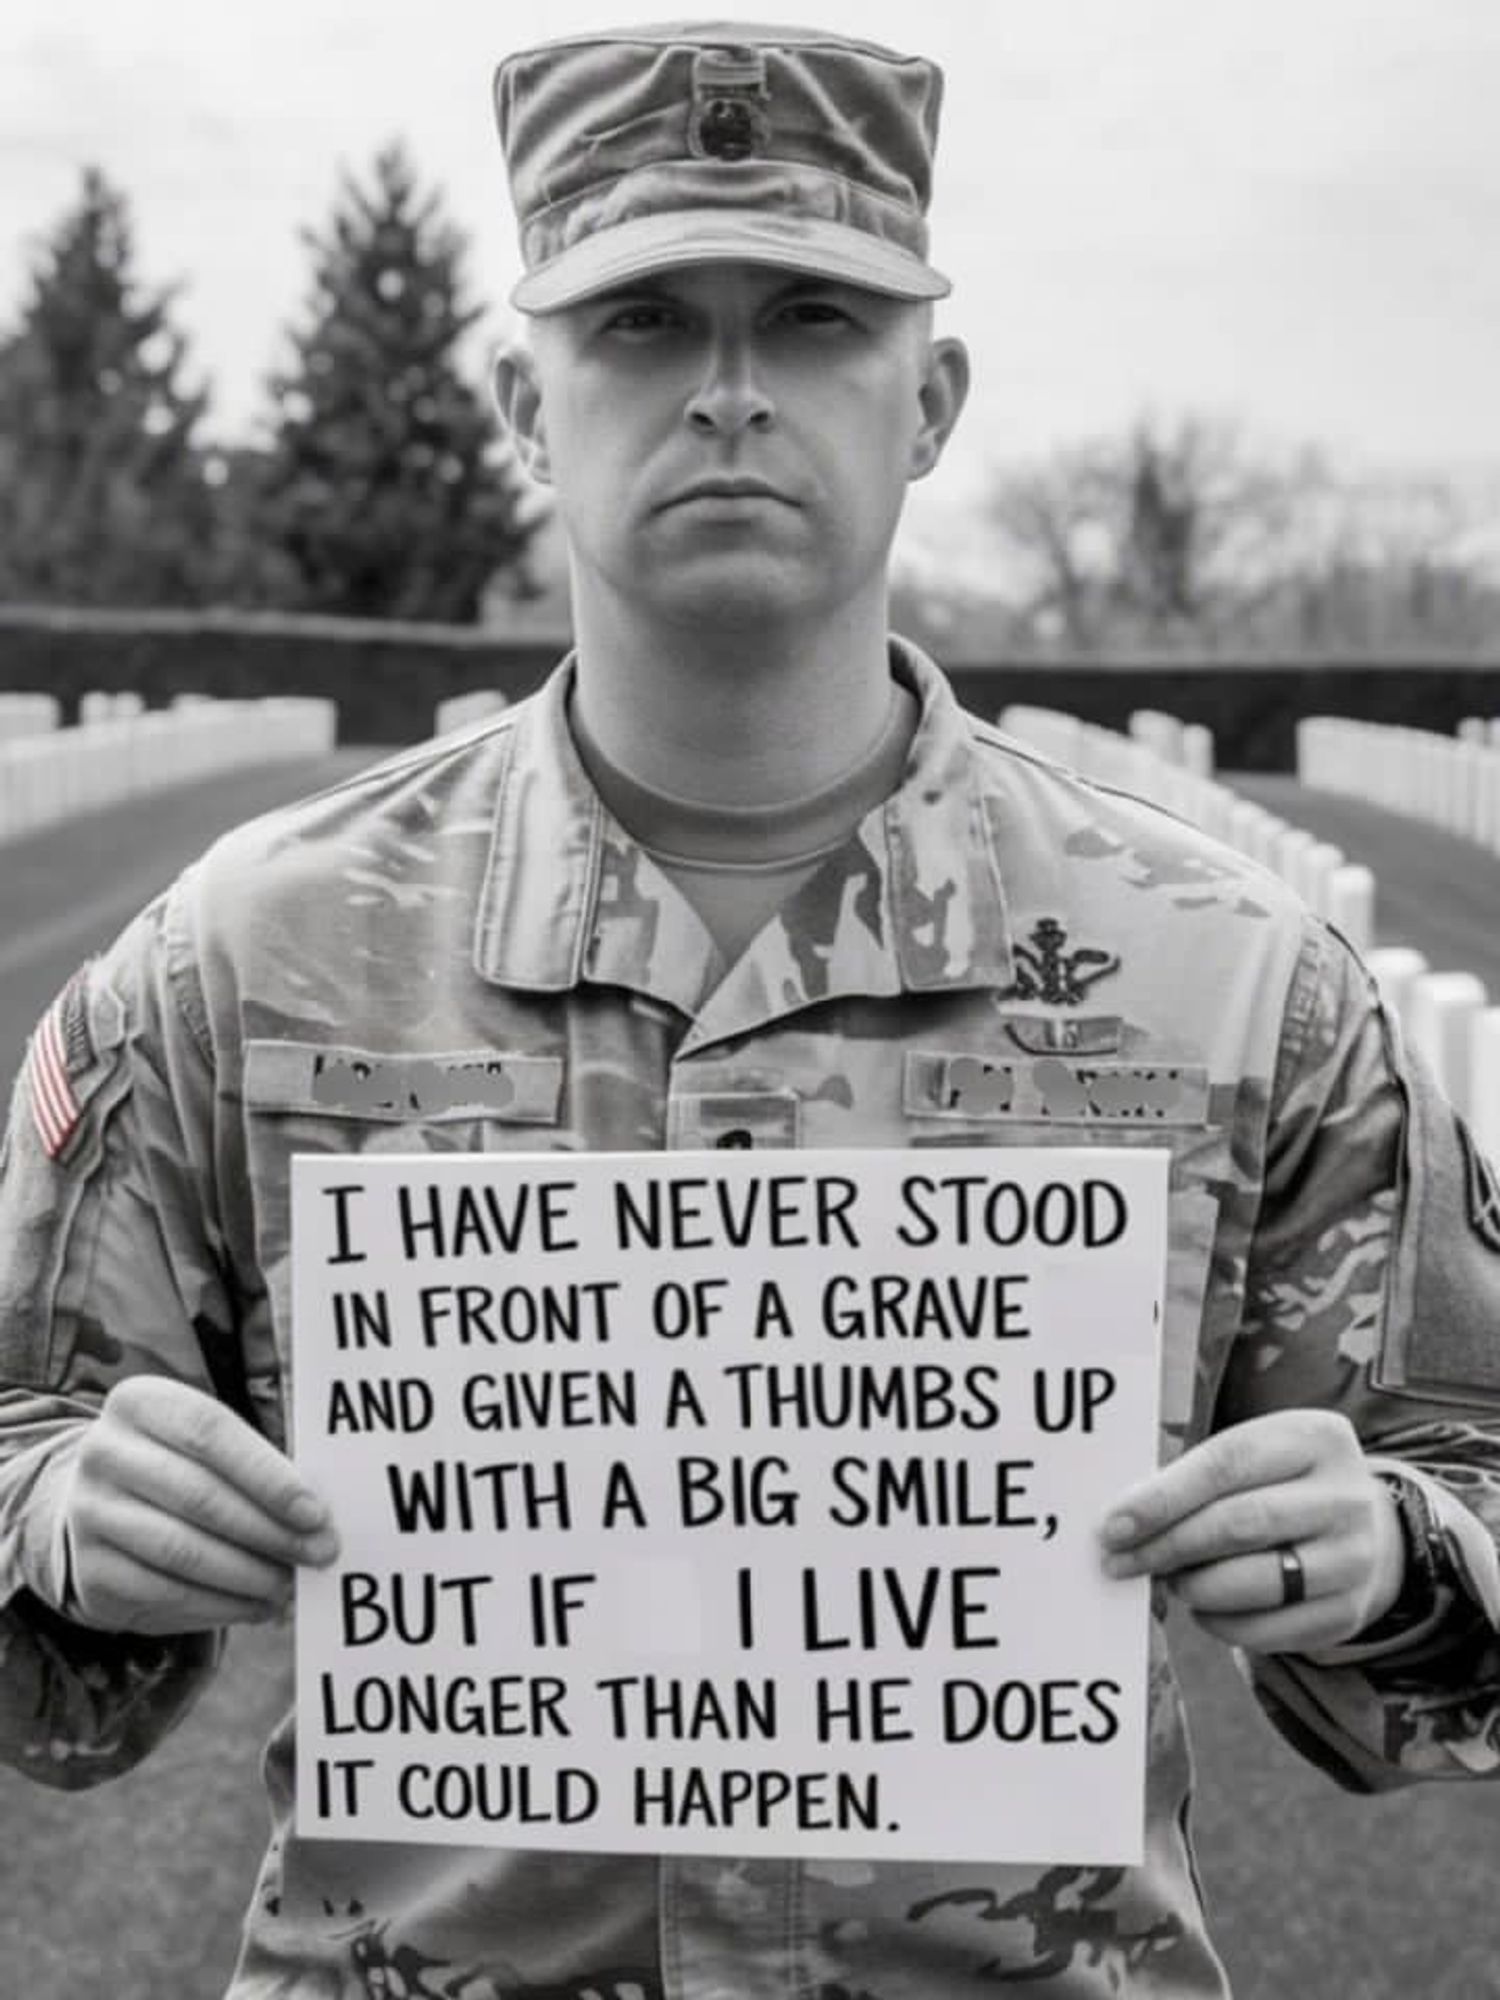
(1047, 971)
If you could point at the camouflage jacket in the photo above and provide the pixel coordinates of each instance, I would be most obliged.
(990, 945)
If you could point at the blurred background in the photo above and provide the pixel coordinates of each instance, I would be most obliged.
(1230, 281)
(1228, 274)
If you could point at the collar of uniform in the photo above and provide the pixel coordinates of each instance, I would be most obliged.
(568, 896)
(912, 903)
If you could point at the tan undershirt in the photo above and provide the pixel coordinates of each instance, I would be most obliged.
(738, 864)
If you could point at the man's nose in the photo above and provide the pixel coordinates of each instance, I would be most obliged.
(732, 396)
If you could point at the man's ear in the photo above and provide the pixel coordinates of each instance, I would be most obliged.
(944, 391)
(518, 398)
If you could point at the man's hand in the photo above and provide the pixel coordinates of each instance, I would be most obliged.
(1214, 1522)
(181, 1517)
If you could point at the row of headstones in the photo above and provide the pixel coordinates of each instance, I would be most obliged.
(28, 715)
(39, 714)
(1447, 1015)
(1450, 781)
(120, 749)
(1169, 763)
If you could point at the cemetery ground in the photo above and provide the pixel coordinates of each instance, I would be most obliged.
(136, 1889)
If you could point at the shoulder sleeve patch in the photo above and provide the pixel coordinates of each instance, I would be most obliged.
(1481, 1187)
(1442, 1337)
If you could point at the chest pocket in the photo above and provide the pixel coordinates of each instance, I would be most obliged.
(303, 1097)
(1052, 1099)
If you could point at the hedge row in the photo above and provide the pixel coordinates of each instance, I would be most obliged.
(387, 679)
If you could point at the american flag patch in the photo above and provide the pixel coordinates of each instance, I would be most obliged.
(60, 1050)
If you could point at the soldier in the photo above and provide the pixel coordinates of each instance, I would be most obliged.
(742, 873)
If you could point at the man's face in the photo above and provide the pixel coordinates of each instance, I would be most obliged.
(733, 444)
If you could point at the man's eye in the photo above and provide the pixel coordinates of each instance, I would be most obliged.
(640, 319)
(816, 312)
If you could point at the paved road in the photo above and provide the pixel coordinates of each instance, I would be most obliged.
(136, 1891)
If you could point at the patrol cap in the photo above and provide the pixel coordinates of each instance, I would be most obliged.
(648, 149)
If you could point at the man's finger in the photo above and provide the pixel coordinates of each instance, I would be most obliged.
(1253, 1585)
(1262, 1452)
(1257, 1518)
(187, 1421)
(1301, 1628)
(178, 1551)
(188, 1489)
(122, 1594)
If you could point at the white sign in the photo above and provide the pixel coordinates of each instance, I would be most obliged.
(727, 1503)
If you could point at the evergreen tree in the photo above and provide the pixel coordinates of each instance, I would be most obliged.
(386, 485)
(103, 498)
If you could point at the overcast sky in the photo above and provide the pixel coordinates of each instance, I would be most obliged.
(1283, 211)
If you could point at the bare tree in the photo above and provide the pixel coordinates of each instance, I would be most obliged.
(1170, 534)
(1177, 535)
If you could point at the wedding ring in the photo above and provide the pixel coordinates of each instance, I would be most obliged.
(1293, 1576)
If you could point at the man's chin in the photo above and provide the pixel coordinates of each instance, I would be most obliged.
(735, 598)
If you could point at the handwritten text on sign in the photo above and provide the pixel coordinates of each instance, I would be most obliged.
(735, 1503)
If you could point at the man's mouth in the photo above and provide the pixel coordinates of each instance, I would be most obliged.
(727, 487)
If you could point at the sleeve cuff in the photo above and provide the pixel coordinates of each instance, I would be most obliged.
(35, 1552)
(1474, 1561)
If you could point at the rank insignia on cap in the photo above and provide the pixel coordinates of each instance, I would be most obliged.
(60, 1050)
(729, 119)
(657, 148)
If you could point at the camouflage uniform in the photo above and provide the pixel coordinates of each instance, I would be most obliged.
(1001, 954)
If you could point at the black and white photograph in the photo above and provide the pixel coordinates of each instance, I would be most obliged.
(749, 1001)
